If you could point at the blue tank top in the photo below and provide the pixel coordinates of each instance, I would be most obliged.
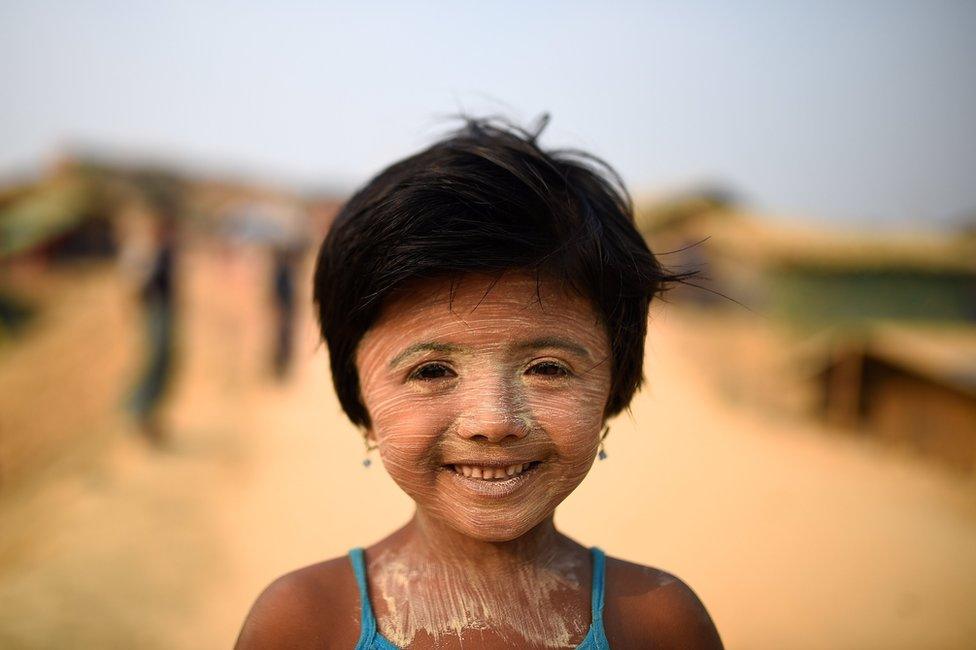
(371, 639)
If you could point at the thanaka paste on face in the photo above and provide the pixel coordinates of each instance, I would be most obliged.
(483, 371)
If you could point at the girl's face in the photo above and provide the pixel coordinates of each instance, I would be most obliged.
(486, 400)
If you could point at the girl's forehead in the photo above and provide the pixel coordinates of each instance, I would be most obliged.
(473, 296)
(481, 305)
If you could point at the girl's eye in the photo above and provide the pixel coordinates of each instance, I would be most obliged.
(548, 369)
(432, 371)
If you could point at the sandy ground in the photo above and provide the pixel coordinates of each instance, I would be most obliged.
(793, 537)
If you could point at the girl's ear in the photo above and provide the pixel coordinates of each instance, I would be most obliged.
(369, 438)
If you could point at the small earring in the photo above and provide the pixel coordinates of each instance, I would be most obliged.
(602, 455)
(367, 461)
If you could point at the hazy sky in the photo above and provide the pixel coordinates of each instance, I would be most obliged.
(853, 111)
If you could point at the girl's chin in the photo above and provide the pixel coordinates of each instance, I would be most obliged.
(496, 527)
(497, 536)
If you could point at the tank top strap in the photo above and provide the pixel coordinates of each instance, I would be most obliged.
(597, 637)
(367, 622)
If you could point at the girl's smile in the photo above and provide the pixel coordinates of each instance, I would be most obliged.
(486, 397)
(493, 481)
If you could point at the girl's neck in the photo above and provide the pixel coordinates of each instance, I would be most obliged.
(432, 581)
(431, 541)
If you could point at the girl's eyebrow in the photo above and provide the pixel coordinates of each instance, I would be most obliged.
(554, 342)
(423, 347)
(534, 344)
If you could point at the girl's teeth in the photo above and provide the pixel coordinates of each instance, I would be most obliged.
(491, 473)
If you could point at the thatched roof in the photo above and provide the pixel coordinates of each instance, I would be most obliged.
(744, 237)
(943, 354)
(42, 214)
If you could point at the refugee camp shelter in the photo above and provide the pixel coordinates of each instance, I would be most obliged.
(62, 218)
(913, 386)
(813, 275)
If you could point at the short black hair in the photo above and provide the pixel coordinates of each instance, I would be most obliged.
(488, 199)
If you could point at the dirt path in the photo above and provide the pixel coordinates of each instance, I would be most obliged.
(793, 538)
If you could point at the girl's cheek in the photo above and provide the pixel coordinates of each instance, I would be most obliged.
(571, 418)
(406, 434)
(399, 412)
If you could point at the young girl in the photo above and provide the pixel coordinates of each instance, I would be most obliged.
(485, 306)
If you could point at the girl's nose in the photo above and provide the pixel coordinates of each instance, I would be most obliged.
(492, 413)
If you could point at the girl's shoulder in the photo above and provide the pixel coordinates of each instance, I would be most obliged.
(644, 606)
(311, 607)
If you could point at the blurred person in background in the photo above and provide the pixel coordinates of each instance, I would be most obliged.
(156, 293)
(285, 259)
